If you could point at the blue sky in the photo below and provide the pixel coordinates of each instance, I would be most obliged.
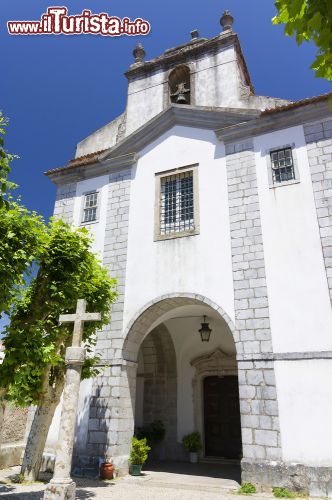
(56, 90)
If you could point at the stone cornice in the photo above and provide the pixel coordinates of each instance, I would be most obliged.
(285, 356)
(275, 121)
(74, 173)
(190, 116)
(181, 54)
(124, 153)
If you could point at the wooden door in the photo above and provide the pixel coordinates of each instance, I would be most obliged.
(222, 423)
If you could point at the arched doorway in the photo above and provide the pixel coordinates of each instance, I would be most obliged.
(177, 374)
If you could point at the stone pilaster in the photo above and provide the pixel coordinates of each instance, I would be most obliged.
(319, 145)
(257, 388)
(113, 395)
(109, 342)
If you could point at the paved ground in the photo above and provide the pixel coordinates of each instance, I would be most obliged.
(174, 482)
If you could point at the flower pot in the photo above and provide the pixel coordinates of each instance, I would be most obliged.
(193, 457)
(106, 471)
(135, 470)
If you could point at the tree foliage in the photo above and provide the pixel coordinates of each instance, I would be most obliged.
(309, 20)
(34, 341)
(22, 236)
(5, 161)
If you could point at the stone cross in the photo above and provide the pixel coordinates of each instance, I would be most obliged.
(62, 487)
(79, 318)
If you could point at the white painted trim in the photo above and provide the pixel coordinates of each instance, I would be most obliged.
(83, 195)
(268, 152)
(158, 178)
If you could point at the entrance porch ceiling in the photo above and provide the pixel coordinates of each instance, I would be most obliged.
(190, 312)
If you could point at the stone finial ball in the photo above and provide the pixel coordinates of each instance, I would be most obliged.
(227, 20)
(139, 53)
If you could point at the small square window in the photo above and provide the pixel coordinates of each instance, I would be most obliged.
(90, 207)
(282, 165)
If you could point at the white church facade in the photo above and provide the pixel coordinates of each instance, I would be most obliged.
(211, 205)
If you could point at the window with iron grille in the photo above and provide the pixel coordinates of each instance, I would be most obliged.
(90, 207)
(177, 203)
(282, 165)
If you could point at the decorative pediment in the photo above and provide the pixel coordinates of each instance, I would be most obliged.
(215, 361)
(126, 151)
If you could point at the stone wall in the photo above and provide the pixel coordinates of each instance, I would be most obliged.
(160, 388)
(109, 341)
(64, 204)
(110, 413)
(319, 145)
(14, 427)
(258, 398)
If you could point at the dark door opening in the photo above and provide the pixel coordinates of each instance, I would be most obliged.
(222, 422)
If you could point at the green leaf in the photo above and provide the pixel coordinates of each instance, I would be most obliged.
(309, 20)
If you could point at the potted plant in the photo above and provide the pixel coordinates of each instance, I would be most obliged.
(106, 469)
(192, 444)
(138, 455)
(154, 433)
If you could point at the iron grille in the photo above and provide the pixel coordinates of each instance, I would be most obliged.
(282, 165)
(90, 207)
(177, 203)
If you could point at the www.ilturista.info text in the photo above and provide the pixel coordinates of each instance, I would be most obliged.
(57, 21)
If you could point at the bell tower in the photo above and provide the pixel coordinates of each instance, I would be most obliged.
(201, 72)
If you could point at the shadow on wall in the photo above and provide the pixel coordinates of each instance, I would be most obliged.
(157, 394)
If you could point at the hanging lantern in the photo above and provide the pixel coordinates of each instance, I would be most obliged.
(205, 331)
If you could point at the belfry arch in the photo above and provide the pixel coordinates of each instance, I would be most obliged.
(179, 84)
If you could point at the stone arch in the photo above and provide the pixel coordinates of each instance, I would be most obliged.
(257, 391)
(179, 78)
(142, 321)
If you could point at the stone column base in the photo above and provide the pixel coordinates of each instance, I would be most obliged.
(314, 481)
(60, 490)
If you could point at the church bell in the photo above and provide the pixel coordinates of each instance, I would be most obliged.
(181, 99)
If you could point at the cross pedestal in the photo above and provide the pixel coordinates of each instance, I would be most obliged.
(62, 487)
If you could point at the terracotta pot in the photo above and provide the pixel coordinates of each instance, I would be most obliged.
(106, 471)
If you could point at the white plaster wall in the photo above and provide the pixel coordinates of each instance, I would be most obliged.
(97, 229)
(195, 264)
(305, 410)
(53, 433)
(145, 99)
(216, 80)
(300, 309)
(188, 346)
(101, 139)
